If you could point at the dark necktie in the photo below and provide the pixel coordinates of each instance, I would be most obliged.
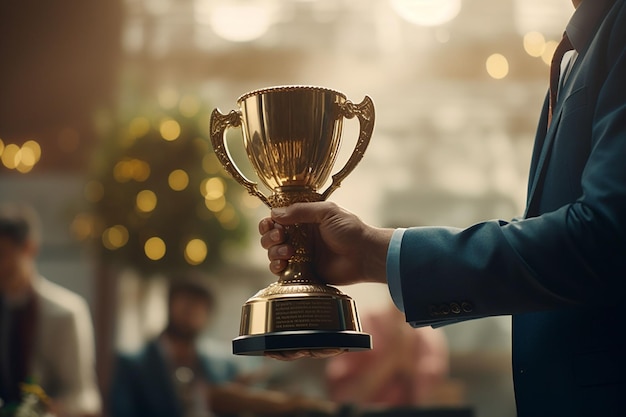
(555, 72)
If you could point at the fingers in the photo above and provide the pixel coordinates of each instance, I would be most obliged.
(266, 225)
(273, 236)
(271, 233)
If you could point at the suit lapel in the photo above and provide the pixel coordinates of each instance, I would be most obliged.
(544, 143)
(540, 137)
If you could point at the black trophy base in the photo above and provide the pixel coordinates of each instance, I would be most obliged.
(297, 340)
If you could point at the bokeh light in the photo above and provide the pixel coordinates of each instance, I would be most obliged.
(131, 169)
(195, 251)
(26, 160)
(115, 237)
(497, 66)
(216, 205)
(154, 248)
(534, 44)
(178, 180)
(146, 201)
(170, 129)
(34, 147)
(548, 51)
(10, 156)
(213, 188)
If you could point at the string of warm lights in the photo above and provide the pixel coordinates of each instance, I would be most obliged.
(159, 199)
(20, 158)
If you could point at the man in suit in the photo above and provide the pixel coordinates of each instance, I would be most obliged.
(46, 334)
(560, 270)
(172, 377)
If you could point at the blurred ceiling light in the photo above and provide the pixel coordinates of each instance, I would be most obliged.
(1, 147)
(427, 12)
(497, 66)
(236, 21)
(534, 44)
(154, 248)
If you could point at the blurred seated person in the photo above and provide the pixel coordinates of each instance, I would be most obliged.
(46, 333)
(402, 370)
(171, 377)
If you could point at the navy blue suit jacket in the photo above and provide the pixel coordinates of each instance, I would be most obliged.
(142, 384)
(561, 270)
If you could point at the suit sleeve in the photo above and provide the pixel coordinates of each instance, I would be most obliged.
(570, 256)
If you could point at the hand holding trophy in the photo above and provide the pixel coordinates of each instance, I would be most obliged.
(292, 136)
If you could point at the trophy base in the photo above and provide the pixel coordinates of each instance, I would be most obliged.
(312, 343)
(291, 321)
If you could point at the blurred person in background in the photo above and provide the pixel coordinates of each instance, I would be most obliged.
(560, 270)
(46, 333)
(403, 369)
(172, 377)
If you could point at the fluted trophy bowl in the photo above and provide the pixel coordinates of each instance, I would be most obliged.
(292, 135)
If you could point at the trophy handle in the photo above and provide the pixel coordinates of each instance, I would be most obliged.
(218, 126)
(364, 111)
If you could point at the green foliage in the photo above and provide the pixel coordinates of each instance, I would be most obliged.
(155, 177)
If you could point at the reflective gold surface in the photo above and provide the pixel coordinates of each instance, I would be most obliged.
(292, 136)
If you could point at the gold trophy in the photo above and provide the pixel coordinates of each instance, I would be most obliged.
(292, 136)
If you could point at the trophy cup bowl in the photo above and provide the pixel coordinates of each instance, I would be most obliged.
(292, 136)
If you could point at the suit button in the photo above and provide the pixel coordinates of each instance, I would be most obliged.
(432, 311)
(444, 309)
(455, 308)
(467, 307)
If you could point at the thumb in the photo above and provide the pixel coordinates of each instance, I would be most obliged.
(312, 212)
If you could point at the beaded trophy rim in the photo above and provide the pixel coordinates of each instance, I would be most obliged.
(285, 88)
